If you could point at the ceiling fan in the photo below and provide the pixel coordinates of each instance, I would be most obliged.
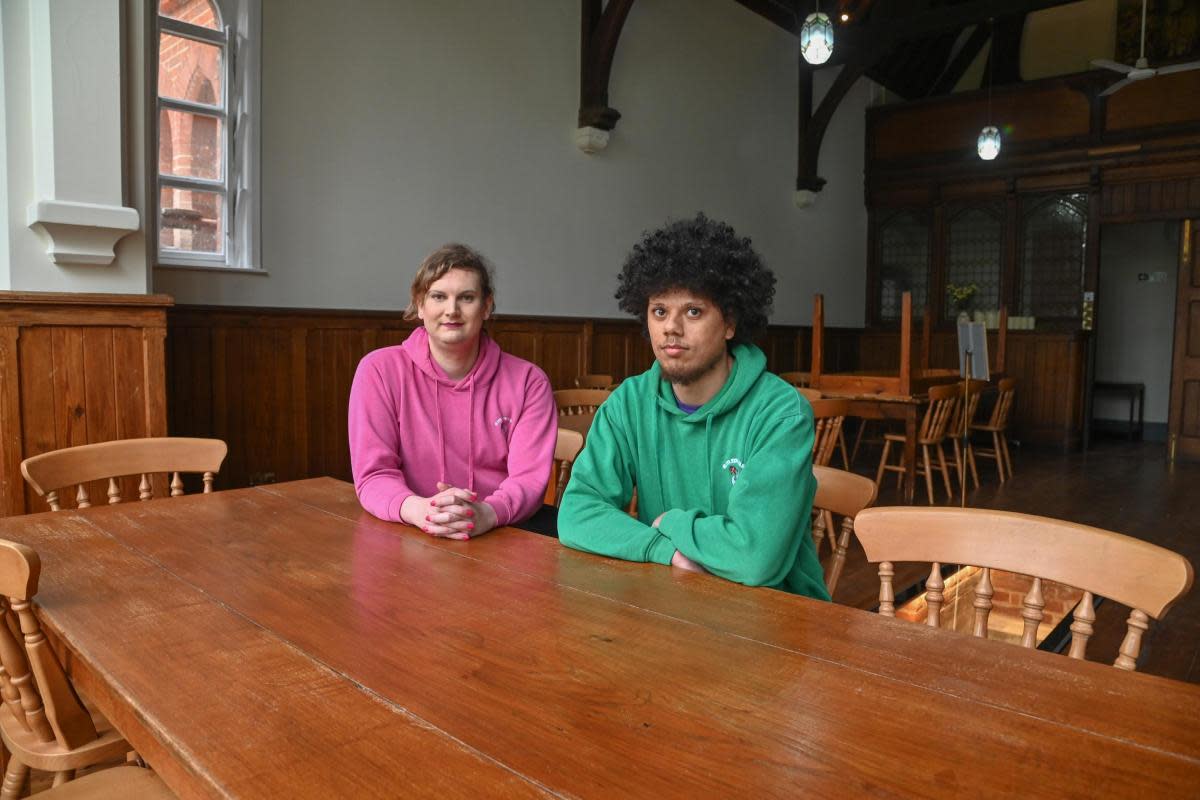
(1141, 70)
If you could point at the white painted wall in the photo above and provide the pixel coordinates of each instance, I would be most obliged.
(1135, 329)
(390, 128)
(80, 160)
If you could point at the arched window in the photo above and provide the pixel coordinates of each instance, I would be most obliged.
(201, 178)
(1053, 248)
(974, 240)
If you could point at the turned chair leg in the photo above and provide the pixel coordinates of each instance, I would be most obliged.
(945, 472)
(999, 453)
(928, 473)
(1008, 465)
(887, 446)
(971, 462)
(14, 779)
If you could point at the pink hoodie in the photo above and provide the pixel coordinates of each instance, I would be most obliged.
(492, 432)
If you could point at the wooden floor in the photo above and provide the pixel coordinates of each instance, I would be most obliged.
(1123, 486)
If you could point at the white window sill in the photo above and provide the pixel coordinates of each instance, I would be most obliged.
(214, 268)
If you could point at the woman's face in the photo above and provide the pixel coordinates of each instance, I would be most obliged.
(454, 308)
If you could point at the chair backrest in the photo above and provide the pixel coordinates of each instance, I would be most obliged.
(579, 401)
(565, 449)
(829, 414)
(47, 706)
(809, 394)
(1145, 577)
(1004, 400)
(942, 400)
(975, 388)
(797, 379)
(596, 381)
(845, 494)
(76, 466)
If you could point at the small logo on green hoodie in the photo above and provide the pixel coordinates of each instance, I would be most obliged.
(733, 466)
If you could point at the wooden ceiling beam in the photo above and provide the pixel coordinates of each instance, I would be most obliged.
(600, 30)
(961, 60)
(853, 40)
(781, 12)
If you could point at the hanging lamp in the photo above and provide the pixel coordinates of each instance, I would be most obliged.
(816, 37)
(988, 143)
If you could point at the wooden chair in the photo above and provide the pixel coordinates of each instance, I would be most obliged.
(1145, 577)
(997, 426)
(830, 415)
(577, 407)
(845, 494)
(43, 722)
(76, 466)
(594, 382)
(809, 394)
(797, 379)
(126, 783)
(965, 460)
(568, 446)
(932, 433)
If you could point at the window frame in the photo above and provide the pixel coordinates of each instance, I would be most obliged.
(238, 115)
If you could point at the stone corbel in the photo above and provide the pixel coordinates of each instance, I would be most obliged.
(81, 233)
(600, 31)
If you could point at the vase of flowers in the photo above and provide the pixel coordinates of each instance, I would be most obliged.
(960, 299)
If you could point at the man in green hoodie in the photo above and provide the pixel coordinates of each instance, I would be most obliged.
(720, 450)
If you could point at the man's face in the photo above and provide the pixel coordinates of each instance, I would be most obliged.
(688, 333)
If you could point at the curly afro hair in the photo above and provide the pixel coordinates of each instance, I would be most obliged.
(705, 257)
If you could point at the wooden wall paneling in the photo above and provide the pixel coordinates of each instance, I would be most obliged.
(78, 369)
(610, 352)
(12, 486)
(37, 403)
(1168, 100)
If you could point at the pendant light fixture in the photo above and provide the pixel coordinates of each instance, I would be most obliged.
(816, 37)
(988, 144)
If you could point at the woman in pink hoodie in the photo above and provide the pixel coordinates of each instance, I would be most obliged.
(447, 432)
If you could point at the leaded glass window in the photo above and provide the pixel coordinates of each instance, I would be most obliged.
(1053, 255)
(974, 237)
(903, 241)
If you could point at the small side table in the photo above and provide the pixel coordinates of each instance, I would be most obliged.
(1135, 393)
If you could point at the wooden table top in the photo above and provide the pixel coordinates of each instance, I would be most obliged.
(280, 642)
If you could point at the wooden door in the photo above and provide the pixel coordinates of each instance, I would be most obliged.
(1184, 421)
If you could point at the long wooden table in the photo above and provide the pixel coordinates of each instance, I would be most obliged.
(280, 642)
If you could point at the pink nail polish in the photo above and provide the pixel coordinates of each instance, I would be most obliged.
(470, 526)
(427, 518)
(470, 513)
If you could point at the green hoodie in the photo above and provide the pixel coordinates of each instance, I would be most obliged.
(735, 479)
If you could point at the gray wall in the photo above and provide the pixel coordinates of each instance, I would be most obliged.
(391, 127)
(1135, 327)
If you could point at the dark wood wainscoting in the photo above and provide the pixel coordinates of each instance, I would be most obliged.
(275, 384)
(76, 369)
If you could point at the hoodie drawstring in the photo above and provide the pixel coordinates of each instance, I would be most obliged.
(437, 413)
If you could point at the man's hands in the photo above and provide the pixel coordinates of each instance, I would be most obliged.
(452, 513)
(679, 559)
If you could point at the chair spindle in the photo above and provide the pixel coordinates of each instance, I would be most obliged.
(52, 499)
(114, 491)
(81, 497)
(1131, 646)
(934, 596)
(145, 492)
(1031, 611)
(176, 485)
(983, 603)
(839, 554)
(887, 597)
(1081, 626)
(15, 661)
(208, 483)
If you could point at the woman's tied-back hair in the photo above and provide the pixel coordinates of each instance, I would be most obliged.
(439, 262)
(704, 257)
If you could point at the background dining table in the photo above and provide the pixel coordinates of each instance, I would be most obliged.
(278, 641)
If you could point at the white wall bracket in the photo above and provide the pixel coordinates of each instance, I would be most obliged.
(81, 233)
